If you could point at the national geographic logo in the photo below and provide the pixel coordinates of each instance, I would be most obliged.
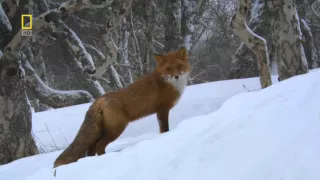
(26, 28)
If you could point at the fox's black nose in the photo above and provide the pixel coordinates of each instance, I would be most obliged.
(177, 77)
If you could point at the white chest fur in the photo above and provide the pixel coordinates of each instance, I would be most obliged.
(180, 83)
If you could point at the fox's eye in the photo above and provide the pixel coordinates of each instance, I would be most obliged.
(169, 68)
(179, 67)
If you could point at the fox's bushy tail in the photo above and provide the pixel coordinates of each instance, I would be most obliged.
(88, 134)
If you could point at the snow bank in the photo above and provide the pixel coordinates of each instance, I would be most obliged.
(262, 135)
(55, 129)
(268, 134)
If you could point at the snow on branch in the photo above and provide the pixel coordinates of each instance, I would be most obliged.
(102, 56)
(82, 62)
(83, 23)
(309, 46)
(51, 97)
(112, 71)
(106, 35)
(115, 76)
(5, 25)
(43, 20)
(254, 42)
(76, 46)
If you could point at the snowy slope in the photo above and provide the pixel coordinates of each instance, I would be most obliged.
(272, 134)
(56, 128)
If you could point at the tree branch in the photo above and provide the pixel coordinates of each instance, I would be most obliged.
(5, 26)
(137, 57)
(78, 49)
(309, 46)
(95, 50)
(43, 20)
(51, 97)
(106, 36)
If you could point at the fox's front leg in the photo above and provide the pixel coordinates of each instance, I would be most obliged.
(163, 119)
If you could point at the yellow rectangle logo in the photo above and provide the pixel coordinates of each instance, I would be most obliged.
(23, 27)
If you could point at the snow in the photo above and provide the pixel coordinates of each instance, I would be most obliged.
(5, 25)
(59, 130)
(189, 8)
(218, 131)
(256, 11)
(273, 67)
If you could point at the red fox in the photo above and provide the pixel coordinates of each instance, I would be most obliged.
(110, 114)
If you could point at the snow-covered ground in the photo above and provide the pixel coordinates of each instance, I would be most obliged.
(216, 132)
(56, 128)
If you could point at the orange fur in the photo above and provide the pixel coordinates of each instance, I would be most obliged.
(110, 114)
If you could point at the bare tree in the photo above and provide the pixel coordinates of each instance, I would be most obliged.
(307, 37)
(309, 46)
(150, 19)
(173, 25)
(287, 37)
(268, 19)
(51, 97)
(15, 114)
(256, 43)
(187, 22)
(14, 106)
(244, 63)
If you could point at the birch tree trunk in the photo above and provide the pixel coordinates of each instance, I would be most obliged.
(139, 66)
(173, 26)
(254, 42)
(150, 18)
(244, 63)
(308, 42)
(287, 37)
(114, 77)
(16, 140)
(125, 54)
(187, 22)
(308, 45)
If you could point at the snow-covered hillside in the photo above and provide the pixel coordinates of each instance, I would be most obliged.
(56, 128)
(272, 134)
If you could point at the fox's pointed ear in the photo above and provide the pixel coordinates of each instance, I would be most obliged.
(183, 53)
(159, 58)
